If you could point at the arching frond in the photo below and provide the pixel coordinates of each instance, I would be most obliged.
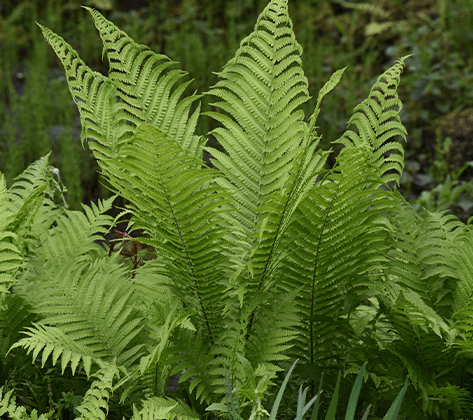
(338, 236)
(89, 304)
(178, 207)
(377, 122)
(138, 89)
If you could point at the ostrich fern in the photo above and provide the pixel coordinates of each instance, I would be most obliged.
(260, 260)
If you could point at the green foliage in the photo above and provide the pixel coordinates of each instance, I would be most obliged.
(264, 258)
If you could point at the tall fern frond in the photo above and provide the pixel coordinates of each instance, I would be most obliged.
(262, 128)
(137, 90)
(177, 205)
(145, 89)
(338, 236)
(377, 121)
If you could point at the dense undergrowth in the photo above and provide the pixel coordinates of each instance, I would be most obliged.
(267, 256)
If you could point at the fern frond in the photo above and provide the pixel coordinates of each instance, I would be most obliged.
(145, 89)
(177, 205)
(75, 234)
(377, 122)
(137, 90)
(162, 408)
(191, 356)
(445, 248)
(152, 375)
(26, 197)
(338, 236)
(52, 341)
(95, 402)
(431, 255)
(261, 89)
(403, 264)
(10, 257)
(8, 407)
(274, 330)
(90, 304)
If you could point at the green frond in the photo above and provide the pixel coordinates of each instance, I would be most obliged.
(15, 316)
(89, 304)
(10, 257)
(96, 97)
(403, 263)
(8, 407)
(177, 205)
(52, 341)
(95, 402)
(26, 212)
(261, 89)
(192, 357)
(146, 90)
(274, 330)
(152, 375)
(151, 283)
(464, 325)
(446, 250)
(166, 409)
(338, 236)
(26, 197)
(75, 233)
(326, 88)
(377, 122)
(431, 255)
(138, 89)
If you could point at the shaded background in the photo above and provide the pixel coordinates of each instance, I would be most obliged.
(37, 113)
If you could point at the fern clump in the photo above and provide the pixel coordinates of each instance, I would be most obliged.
(265, 257)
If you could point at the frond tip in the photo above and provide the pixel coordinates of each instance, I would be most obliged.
(377, 121)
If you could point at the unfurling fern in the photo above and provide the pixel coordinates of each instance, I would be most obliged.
(265, 258)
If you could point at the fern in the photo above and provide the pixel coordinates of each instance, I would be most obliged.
(95, 402)
(177, 205)
(137, 90)
(264, 258)
(164, 409)
(10, 257)
(8, 406)
(377, 122)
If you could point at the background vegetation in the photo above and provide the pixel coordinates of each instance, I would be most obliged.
(37, 113)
